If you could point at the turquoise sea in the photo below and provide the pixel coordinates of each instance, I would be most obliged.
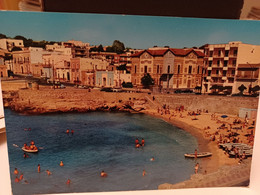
(101, 141)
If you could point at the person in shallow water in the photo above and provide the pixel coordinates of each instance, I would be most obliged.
(16, 180)
(39, 168)
(144, 173)
(136, 141)
(61, 164)
(48, 172)
(25, 155)
(68, 182)
(142, 142)
(196, 168)
(137, 145)
(67, 131)
(72, 132)
(16, 172)
(103, 174)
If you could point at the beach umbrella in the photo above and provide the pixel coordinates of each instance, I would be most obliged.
(224, 116)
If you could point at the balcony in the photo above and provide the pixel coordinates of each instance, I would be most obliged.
(225, 68)
(209, 68)
(247, 77)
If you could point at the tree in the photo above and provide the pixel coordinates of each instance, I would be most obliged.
(147, 80)
(242, 88)
(255, 89)
(100, 48)
(118, 47)
(3, 36)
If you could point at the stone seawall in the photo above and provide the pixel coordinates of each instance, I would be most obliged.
(218, 104)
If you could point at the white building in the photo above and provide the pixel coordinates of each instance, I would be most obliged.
(8, 44)
(230, 65)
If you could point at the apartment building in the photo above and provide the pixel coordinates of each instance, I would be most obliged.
(230, 65)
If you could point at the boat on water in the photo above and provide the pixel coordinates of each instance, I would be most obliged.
(31, 151)
(199, 155)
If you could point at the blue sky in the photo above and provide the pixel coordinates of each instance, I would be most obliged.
(134, 31)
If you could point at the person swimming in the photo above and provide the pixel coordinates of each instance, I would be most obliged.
(21, 177)
(72, 132)
(25, 155)
(103, 174)
(136, 141)
(61, 164)
(137, 145)
(152, 159)
(67, 131)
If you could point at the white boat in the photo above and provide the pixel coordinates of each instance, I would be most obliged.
(199, 155)
(28, 150)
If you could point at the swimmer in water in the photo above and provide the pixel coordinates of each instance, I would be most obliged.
(61, 164)
(72, 131)
(103, 174)
(16, 172)
(152, 159)
(67, 131)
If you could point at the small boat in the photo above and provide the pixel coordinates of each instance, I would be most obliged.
(28, 150)
(199, 155)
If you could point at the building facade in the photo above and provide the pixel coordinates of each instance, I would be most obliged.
(231, 65)
(170, 68)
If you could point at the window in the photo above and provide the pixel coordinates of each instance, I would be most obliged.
(225, 63)
(149, 70)
(210, 63)
(233, 72)
(235, 52)
(219, 52)
(217, 72)
(190, 69)
(169, 69)
(224, 73)
(198, 70)
(158, 70)
(226, 53)
(209, 72)
(218, 62)
(234, 62)
(179, 68)
(145, 69)
(135, 69)
(210, 53)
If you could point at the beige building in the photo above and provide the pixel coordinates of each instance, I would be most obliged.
(170, 68)
(231, 65)
(83, 69)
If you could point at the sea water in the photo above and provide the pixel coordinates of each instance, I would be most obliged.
(101, 141)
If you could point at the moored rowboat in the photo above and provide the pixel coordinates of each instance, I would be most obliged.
(28, 150)
(199, 155)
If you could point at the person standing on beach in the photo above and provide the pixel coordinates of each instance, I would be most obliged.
(196, 168)
(68, 182)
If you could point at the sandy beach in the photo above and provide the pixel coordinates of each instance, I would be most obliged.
(196, 128)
